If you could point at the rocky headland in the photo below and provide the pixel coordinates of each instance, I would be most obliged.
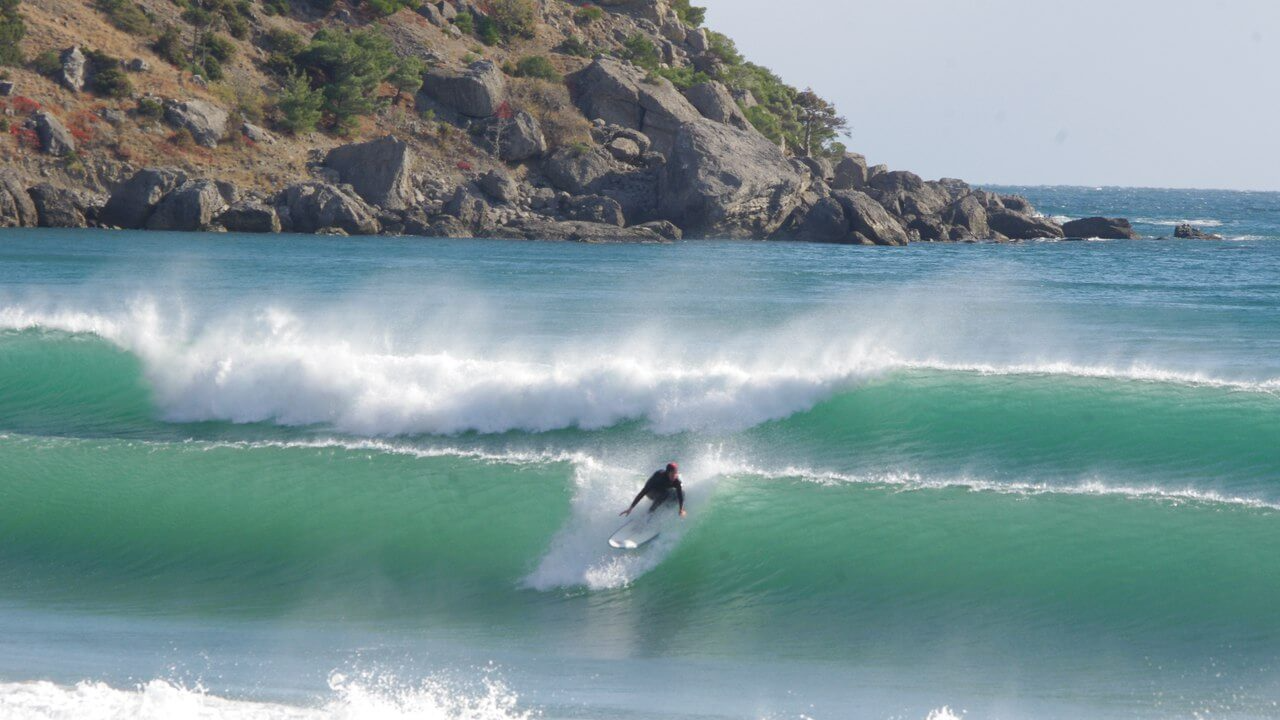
(619, 121)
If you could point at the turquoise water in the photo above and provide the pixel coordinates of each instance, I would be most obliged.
(330, 477)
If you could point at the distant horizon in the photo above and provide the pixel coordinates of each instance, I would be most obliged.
(1163, 95)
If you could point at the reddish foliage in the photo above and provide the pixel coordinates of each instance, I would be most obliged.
(25, 136)
(505, 111)
(464, 165)
(25, 105)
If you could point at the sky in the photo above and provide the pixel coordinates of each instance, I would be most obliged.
(1152, 93)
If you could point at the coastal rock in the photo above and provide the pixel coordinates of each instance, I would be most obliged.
(1191, 232)
(869, 222)
(475, 92)
(499, 186)
(1017, 226)
(468, 207)
(623, 149)
(378, 170)
(16, 207)
(576, 170)
(59, 207)
(850, 173)
(667, 230)
(250, 216)
(713, 100)
(968, 213)
(825, 222)
(188, 208)
(311, 207)
(1017, 203)
(517, 138)
(72, 72)
(720, 181)
(594, 208)
(54, 137)
(818, 168)
(579, 231)
(1100, 227)
(904, 193)
(619, 93)
(206, 122)
(133, 201)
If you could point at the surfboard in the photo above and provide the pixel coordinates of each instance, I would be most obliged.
(644, 527)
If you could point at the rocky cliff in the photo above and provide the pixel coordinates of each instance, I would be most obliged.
(446, 118)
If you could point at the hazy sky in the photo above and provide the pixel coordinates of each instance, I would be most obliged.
(1164, 93)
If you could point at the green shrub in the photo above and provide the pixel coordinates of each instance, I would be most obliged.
(276, 7)
(169, 46)
(350, 67)
(218, 47)
(47, 63)
(682, 77)
(487, 30)
(513, 18)
(407, 77)
(4, 125)
(690, 15)
(384, 8)
(149, 107)
(465, 22)
(641, 51)
(723, 48)
(126, 15)
(108, 78)
(537, 66)
(12, 29)
(588, 14)
(573, 45)
(299, 105)
(212, 69)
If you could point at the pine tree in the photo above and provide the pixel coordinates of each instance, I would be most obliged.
(819, 121)
(299, 105)
(12, 30)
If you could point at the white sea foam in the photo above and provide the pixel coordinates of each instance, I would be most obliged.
(1198, 222)
(273, 365)
(943, 713)
(352, 699)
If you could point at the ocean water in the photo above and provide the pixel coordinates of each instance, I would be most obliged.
(305, 477)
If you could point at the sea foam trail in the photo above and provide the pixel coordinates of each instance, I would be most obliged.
(273, 365)
(371, 698)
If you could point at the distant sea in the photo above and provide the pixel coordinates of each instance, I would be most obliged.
(318, 477)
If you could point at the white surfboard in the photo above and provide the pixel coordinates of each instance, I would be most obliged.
(644, 527)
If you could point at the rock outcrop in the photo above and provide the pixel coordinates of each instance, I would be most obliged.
(311, 207)
(16, 207)
(132, 203)
(250, 216)
(206, 122)
(58, 207)
(1099, 227)
(188, 208)
(54, 137)
(1190, 232)
(72, 72)
(380, 171)
(618, 93)
(713, 100)
(1016, 225)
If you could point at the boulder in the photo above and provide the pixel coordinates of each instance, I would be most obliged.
(818, 168)
(468, 207)
(713, 100)
(139, 65)
(73, 69)
(250, 216)
(720, 181)
(206, 122)
(850, 173)
(378, 170)
(594, 208)
(475, 92)
(517, 138)
(825, 222)
(929, 229)
(580, 231)
(869, 222)
(904, 193)
(667, 230)
(968, 213)
(499, 186)
(190, 207)
(624, 149)
(1017, 226)
(54, 137)
(257, 134)
(131, 204)
(311, 207)
(577, 169)
(1017, 203)
(696, 39)
(619, 93)
(432, 14)
(6, 88)
(16, 207)
(1191, 232)
(1100, 227)
(59, 207)
(875, 170)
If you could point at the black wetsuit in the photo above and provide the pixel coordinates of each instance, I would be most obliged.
(659, 487)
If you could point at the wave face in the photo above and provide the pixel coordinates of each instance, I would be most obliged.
(1052, 465)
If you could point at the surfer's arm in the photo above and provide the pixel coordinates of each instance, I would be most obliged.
(680, 495)
(634, 503)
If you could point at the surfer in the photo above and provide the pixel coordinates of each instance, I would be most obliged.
(658, 489)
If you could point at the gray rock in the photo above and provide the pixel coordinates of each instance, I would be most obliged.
(713, 100)
(314, 206)
(623, 149)
(447, 10)
(875, 170)
(869, 222)
(250, 216)
(576, 170)
(596, 209)
(619, 93)
(1100, 227)
(133, 201)
(6, 88)
(1190, 232)
(818, 168)
(1017, 226)
(475, 92)
(697, 41)
(188, 208)
(257, 134)
(720, 181)
(432, 14)
(59, 207)
(54, 137)
(73, 69)
(825, 222)
(929, 229)
(112, 115)
(968, 213)
(16, 207)
(1017, 203)
(206, 122)
(139, 65)
(667, 230)
(379, 171)
(850, 173)
(499, 186)
(579, 231)
(468, 207)
(517, 138)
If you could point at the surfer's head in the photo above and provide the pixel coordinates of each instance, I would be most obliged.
(673, 469)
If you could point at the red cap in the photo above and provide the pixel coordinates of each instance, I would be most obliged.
(672, 466)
